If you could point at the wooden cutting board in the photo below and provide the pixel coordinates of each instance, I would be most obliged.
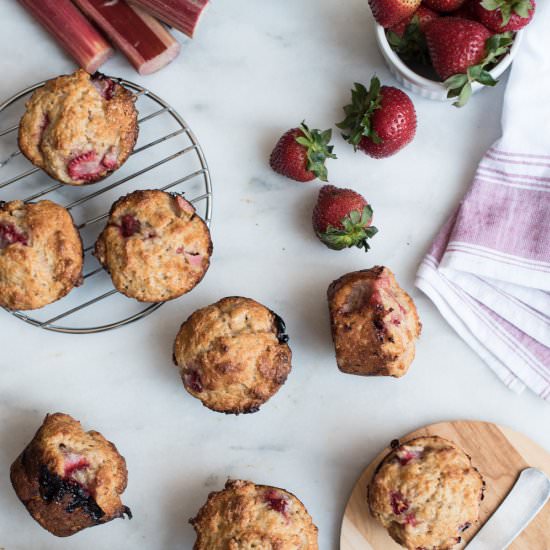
(499, 454)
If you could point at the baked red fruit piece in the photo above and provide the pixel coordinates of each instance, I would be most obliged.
(342, 218)
(504, 15)
(390, 12)
(380, 121)
(69, 479)
(300, 154)
(443, 6)
(461, 51)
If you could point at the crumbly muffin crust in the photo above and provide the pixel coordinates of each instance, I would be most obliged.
(40, 254)
(233, 355)
(246, 516)
(69, 479)
(374, 323)
(154, 246)
(79, 128)
(426, 493)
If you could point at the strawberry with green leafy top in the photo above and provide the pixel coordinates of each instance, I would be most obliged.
(407, 37)
(390, 12)
(342, 218)
(505, 15)
(462, 51)
(380, 121)
(300, 154)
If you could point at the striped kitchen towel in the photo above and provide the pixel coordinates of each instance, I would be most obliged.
(488, 270)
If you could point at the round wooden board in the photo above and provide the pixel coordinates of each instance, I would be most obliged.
(500, 454)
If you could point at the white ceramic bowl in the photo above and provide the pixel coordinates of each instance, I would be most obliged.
(431, 89)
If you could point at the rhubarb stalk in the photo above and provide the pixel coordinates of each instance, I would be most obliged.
(72, 30)
(183, 15)
(144, 41)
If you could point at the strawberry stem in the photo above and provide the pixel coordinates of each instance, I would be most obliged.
(318, 148)
(460, 85)
(359, 113)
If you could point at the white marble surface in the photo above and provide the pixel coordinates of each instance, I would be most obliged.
(254, 70)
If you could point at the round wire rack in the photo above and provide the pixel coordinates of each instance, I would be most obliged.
(167, 156)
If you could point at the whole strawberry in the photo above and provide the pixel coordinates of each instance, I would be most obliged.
(461, 50)
(342, 218)
(407, 37)
(504, 15)
(390, 12)
(380, 120)
(443, 6)
(300, 154)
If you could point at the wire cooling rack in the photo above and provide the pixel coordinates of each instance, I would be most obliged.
(167, 156)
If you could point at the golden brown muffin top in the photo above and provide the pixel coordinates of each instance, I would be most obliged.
(154, 246)
(426, 493)
(246, 516)
(40, 254)
(233, 355)
(374, 323)
(79, 127)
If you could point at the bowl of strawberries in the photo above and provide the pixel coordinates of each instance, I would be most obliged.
(450, 49)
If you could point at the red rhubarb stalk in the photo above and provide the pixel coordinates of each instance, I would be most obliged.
(144, 41)
(72, 30)
(183, 15)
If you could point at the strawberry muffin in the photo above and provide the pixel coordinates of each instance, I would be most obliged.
(154, 246)
(374, 323)
(246, 516)
(233, 355)
(69, 479)
(79, 128)
(426, 493)
(40, 254)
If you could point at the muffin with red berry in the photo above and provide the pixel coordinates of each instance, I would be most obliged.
(233, 355)
(374, 323)
(426, 493)
(246, 516)
(40, 254)
(79, 127)
(69, 479)
(154, 246)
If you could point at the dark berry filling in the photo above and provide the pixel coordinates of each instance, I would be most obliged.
(282, 336)
(276, 501)
(54, 488)
(464, 526)
(399, 503)
(10, 235)
(85, 167)
(192, 380)
(105, 86)
(129, 225)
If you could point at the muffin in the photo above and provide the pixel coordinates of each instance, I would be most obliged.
(154, 246)
(69, 479)
(233, 355)
(374, 323)
(40, 254)
(426, 493)
(79, 128)
(246, 516)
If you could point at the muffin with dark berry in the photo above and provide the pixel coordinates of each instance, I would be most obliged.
(40, 254)
(426, 493)
(79, 128)
(233, 355)
(374, 323)
(154, 246)
(246, 516)
(69, 479)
